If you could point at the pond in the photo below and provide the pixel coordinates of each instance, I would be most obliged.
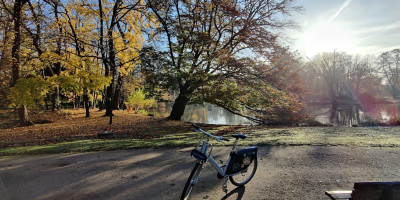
(206, 114)
(352, 114)
(342, 115)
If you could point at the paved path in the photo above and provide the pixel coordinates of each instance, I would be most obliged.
(293, 172)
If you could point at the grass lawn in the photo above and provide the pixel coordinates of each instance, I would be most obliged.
(69, 131)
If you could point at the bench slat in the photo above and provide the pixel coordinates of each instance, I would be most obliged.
(369, 191)
(344, 194)
(376, 191)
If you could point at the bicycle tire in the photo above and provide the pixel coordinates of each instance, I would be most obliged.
(193, 177)
(249, 175)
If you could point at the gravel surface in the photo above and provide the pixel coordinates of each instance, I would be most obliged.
(284, 172)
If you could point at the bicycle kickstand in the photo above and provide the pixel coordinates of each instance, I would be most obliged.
(225, 186)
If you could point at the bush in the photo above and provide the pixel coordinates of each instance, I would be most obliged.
(368, 121)
(394, 121)
(308, 121)
(67, 112)
(137, 102)
(29, 92)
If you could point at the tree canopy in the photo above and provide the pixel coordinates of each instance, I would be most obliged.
(218, 51)
(227, 53)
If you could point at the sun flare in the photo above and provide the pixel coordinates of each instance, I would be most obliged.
(326, 38)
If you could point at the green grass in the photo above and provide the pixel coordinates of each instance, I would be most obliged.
(334, 136)
(100, 145)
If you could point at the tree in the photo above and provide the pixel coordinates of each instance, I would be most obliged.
(344, 79)
(265, 93)
(389, 64)
(137, 101)
(15, 54)
(120, 40)
(6, 38)
(332, 68)
(360, 70)
(29, 92)
(203, 37)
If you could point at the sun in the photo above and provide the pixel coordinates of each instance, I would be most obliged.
(326, 38)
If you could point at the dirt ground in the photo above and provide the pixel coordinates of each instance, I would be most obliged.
(284, 172)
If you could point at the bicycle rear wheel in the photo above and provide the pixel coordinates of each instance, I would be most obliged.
(245, 176)
(192, 180)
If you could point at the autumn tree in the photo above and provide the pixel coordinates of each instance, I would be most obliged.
(5, 52)
(389, 65)
(267, 93)
(121, 36)
(15, 54)
(204, 38)
(343, 79)
(361, 72)
(332, 68)
(35, 52)
(24, 59)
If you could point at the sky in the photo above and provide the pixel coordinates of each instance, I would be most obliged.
(353, 26)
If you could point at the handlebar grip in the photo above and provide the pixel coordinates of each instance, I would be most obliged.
(195, 126)
(226, 139)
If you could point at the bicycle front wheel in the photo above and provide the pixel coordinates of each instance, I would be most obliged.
(245, 176)
(192, 180)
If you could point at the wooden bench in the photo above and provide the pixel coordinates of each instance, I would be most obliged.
(369, 191)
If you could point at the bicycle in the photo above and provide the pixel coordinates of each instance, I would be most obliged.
(239, 168)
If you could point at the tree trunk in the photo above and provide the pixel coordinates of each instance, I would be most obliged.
(77, 102)
(102, 104)
(333, 116)
(87, 106)
(118, 93)
(46, 101)
(178, 108)
(56, 99)
(57, 66)
(94, 100)
(17, 10)
(108, 100)
(23, 115)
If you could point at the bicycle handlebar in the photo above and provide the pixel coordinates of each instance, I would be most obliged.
(219, 138)
(195, 126)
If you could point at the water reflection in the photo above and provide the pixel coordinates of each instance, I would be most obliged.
(206, 114)
(210, 114)
(352, 114)
(340, 114)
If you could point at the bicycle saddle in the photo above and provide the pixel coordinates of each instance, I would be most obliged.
(239, 135)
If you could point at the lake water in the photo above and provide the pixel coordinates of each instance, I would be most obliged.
(342, 115)
(348, 115)
(206, 114)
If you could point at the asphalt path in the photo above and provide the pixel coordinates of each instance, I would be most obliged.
(284, 172)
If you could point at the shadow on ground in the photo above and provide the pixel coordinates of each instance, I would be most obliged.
(284, 172)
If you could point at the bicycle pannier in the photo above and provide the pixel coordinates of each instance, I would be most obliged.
(241, 160)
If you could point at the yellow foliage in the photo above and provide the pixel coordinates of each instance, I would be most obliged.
(29, 92)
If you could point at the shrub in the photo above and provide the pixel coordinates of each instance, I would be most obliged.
(394, 121)
(29, 92)
(368, 121)
(137, 102)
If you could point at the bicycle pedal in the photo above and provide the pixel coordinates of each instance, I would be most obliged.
(225, 189)
(225, 186)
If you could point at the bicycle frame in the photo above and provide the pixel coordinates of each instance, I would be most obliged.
(234, 165)
(221, 169)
